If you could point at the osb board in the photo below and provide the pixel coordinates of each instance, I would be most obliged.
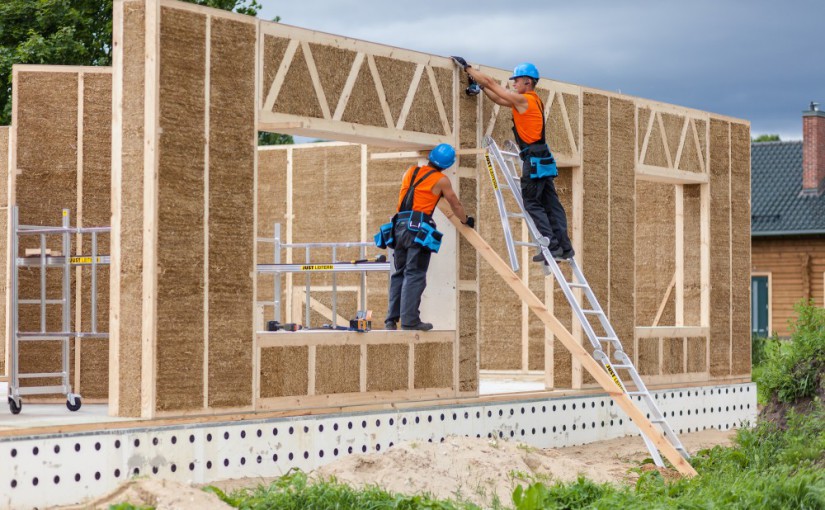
(272, 177)
(232, 152)
(47, 106)
(499, 317)
(692, 245)
(720, 309)
(337, 369)
(468, 341)
(130, 281)
(648, 356)
(673, 355)
(387, 367)
(622, 220)
(697, 354)
(740, 246)
(433, 365)
(284, 371)
(180, 224)
(468, 194)
(562, 359)
(596, 201)
(96, 198)
(655, 251)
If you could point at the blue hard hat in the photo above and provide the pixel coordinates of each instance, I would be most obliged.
(443, 156)
(526, 69)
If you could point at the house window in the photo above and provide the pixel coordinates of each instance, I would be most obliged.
(759, 305)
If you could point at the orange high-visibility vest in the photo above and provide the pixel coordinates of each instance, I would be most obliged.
(530, 124)
(423, 198)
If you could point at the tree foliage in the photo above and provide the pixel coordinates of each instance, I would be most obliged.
(767, 138)
(66, 32)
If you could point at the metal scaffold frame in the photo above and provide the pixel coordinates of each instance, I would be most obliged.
(43, 261)
(308, 267)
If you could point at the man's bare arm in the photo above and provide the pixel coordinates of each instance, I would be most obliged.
(503, 96)
(446, 188)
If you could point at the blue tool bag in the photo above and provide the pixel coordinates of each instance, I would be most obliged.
(384, 238)
(428, 237)
(543, 167)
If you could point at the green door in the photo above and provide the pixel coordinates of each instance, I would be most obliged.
(759, 305)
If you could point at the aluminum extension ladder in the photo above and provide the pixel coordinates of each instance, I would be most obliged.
(508, 163)
(42, 262)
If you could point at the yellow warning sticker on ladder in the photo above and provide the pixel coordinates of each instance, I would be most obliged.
(490, 169)
(613, 375)
(317, 267)
(83, 260)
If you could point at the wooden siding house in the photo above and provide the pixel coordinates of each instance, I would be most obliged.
(787, 226)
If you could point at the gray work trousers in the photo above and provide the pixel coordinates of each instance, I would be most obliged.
(409, 277)
(542, 204)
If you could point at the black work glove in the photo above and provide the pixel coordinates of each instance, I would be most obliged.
(471, 222)
(461, 62)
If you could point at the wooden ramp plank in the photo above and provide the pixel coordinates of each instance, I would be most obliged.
(588, 363)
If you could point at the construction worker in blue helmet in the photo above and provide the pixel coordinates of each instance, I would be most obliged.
(538, 190)
(413, 236)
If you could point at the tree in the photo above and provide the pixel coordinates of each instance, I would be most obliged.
(265, 138)
(66, 32)
(766, 138)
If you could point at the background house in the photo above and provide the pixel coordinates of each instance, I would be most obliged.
(787, 225)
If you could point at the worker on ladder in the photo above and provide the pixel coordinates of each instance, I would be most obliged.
(537, 188)
(413, 236)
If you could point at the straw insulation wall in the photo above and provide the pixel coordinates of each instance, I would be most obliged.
(720, 249)
(63, 154)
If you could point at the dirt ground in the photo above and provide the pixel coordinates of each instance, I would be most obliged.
(477, 470)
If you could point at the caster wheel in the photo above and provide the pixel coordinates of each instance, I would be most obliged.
(14, 407)
(73, 406)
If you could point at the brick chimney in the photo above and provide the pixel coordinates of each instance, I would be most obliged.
(813, 151)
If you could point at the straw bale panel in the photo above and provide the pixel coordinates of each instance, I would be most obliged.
(232, 158)
(297, 96)
(96, 199)
(364, 106)
(337, 369)
(433, 365)
(740, 246)
(720, 319)
(4, 202)
(272, 176)
(329, 61)
(701, 130)
(648, 356)
(47, 105)
(383, 185)
(656, 144)
(468, 341)
(444, 82)
(655, 249)
(396, 76)
(387, 367)
(346, 306)
(622, 220)
(423, 116)
(468, 112)
(571, 102)
(596, 200)
(130, 281)
(690, 159)
(535, 326)
(556, 130)
(697, 354)
(284, 371)
(562, 359)
(468, 193)
(673, 131)
(673, 355)
(180, 229)
(692, 245)
(274, 49)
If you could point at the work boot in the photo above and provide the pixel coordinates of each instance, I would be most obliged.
(390, 325)
(421, 326)
(568, 254)
(556, 253)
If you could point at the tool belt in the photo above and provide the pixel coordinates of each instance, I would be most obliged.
(541, 160)
(419, 223)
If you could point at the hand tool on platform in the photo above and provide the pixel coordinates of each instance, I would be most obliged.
(277, 326)
(362, 321)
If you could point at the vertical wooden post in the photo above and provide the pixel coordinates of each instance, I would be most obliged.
(206, 100)
(117, 159)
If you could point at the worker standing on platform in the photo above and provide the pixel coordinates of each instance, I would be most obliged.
(537, 188)
(413, 236)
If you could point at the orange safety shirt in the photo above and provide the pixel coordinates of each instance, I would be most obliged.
(423, 198)
(529, 124)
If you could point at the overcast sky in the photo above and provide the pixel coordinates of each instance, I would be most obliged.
(757, 60)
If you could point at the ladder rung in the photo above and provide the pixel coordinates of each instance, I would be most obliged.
(636, 393)
(607, 339)
(515, 215)
(509, 153)
(524, 243)
(622, 367)
(592, 312)
(577, 285)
